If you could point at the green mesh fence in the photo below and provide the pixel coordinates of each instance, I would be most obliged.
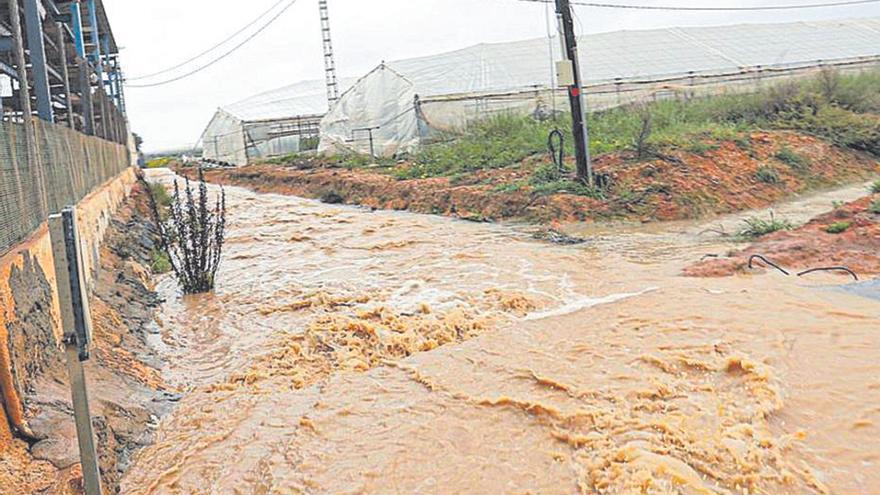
(57, 169)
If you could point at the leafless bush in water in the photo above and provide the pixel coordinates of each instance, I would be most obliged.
(192, 234)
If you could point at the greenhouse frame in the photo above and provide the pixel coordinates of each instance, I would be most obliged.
(401, 104)
(273, 123)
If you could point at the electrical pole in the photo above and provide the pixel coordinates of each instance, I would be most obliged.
(329, 62)
(575, 94)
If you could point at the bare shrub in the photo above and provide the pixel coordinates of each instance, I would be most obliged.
(192, 234)
(644, 133)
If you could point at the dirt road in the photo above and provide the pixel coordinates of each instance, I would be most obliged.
(593, 369)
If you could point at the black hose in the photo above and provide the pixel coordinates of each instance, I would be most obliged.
(556, 147)
(765, 260)
(830, 269)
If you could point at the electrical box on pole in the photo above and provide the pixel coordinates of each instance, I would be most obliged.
(569, 72)
(76, 324)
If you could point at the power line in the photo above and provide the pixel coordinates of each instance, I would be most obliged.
(211, 49)
(223, 56)
(713, 9)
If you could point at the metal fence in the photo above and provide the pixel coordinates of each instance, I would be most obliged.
(47, 169)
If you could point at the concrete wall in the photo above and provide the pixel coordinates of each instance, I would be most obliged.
(30, 323)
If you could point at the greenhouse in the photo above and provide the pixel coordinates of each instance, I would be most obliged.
(400, 104)
(269, 124)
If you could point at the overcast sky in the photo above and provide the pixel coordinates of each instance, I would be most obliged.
(160, 33)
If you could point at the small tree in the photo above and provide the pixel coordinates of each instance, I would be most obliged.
(192, 235)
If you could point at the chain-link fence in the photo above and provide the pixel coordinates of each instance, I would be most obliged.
(46, 170)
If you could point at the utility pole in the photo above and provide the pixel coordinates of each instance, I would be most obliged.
(575, 94)
(329, 62)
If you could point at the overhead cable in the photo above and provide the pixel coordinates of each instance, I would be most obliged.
(712, 9)
(211, 49)
(221, 57)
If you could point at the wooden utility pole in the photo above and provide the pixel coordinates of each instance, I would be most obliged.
(575, 94)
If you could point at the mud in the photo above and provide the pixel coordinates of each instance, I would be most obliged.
(127, 394)
(351, 351)
(811, 245)
(676, 184)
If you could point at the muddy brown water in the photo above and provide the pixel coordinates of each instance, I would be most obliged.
(315, 367)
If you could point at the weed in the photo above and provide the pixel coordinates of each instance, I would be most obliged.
(838, 227)
(509, 187)
(160, 162)
(758, 227)
(875, 187)
(875, 207)
(159, 262)
(791, 158)
(767, 175)
(698, 147)
(565, 186)
(836, 204)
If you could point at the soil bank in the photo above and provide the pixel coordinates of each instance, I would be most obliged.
(712, 178)
(38, 447)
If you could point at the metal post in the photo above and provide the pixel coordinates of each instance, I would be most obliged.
(96, 39)
(575, 95)
(76, 22)
(77, 329)
(37, 49)
(85, 86)
(65, 74)
(24, 91)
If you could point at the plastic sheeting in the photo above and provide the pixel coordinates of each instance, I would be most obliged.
(377, 114)
(456, 87)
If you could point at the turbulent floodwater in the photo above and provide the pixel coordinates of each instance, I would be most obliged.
(592, 369)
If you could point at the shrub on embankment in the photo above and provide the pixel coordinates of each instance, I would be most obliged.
(661, 160)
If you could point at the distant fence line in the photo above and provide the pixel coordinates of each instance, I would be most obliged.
(43, 171)
(440, 111)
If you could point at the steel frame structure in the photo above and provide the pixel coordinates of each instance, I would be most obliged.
(63, 63)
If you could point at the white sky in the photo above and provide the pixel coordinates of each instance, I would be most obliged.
(160, 33)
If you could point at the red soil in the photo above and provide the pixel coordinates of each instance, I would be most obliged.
(858, 247)
(676, 185)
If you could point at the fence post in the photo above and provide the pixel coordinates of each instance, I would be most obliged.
(77, 329)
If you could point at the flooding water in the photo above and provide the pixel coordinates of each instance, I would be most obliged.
(351, 351)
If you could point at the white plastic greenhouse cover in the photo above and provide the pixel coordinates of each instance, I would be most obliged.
(499, 68)
(295, 100)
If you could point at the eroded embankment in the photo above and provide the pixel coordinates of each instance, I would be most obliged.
(126, 392)
(711, 177)
(848, 236)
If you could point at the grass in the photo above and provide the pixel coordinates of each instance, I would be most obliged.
(794, 160)
(159, 262)
(838, 227)
(875, 207)
(767, 175)
(875, 187)
(161, 162)
(758, 227)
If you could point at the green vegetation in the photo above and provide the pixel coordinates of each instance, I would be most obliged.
(509, 187)
(842, 109)
(875, 207)
(162, 198)
(758, 227)
(838, 227)
(875, 187)
(794, 160)
(159, 262)
(767, 175)
(160, 162)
